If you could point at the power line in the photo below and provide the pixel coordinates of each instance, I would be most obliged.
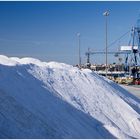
(118, 39)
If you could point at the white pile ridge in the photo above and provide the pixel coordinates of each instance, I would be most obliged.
(55, 100)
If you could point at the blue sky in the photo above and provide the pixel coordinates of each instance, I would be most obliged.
(47, 30)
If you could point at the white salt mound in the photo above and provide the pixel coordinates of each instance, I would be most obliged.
(55, 100)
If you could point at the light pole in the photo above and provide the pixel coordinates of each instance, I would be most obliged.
(106, 14)
(79, 49)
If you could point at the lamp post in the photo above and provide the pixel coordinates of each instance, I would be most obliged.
(106, 14)
(79, 49)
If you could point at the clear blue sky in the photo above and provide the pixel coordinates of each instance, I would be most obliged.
(47, 30)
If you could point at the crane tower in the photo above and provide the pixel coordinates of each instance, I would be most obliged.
(132, 58)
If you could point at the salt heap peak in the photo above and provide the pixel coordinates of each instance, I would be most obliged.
(62, 101)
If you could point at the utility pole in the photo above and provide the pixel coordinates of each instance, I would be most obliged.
(106, 14)
(79, 49)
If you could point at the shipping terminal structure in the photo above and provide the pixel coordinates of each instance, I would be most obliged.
(129, 71)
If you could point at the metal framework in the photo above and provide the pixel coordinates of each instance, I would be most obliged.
(132, 59)
(89, 53)
(132, 56)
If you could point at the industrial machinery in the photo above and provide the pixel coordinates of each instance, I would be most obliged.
(132, 55)
(88, 53)
(132, 58)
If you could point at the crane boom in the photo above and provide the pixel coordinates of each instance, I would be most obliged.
(102, 52)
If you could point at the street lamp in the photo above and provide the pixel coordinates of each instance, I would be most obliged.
(106, 14)
(79, 49)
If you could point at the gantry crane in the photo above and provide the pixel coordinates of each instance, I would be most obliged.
(89, 53)
(132, 51)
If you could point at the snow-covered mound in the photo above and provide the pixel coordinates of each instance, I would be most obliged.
(55, 100)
